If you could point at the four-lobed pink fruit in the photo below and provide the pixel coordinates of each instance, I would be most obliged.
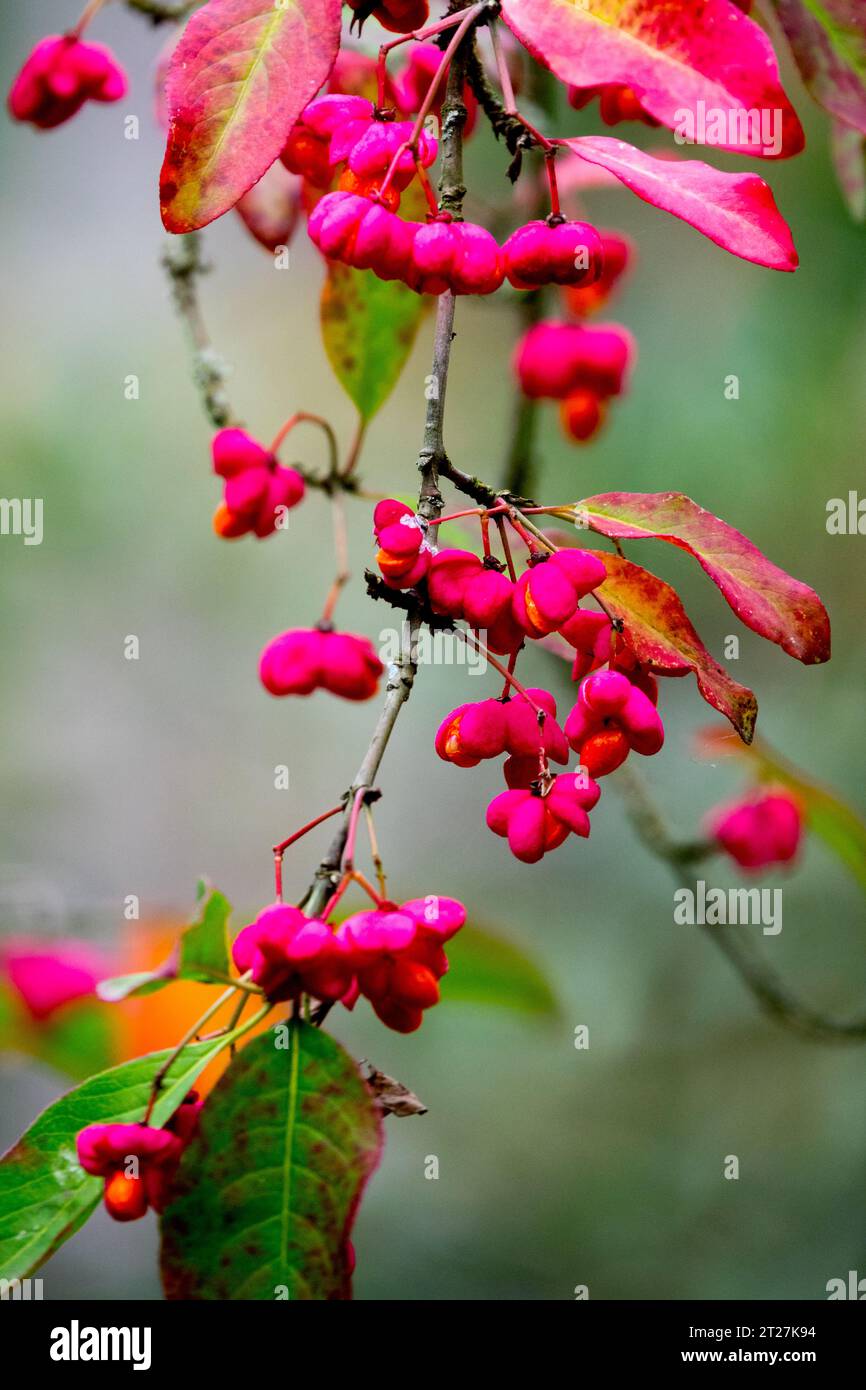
(60, 75)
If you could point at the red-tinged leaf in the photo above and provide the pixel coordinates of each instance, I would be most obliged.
(263, 1205)
(575, 175)
(764, 597)
(688, 58)
(662, 637)
(237, 82)
(736, 211)
(828, 40)
(272, 208)
(849, 161)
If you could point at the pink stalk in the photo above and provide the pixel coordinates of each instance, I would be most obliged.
(429, 32)
(298, 418)
(467, 19)
(280, 849)
(510, 680)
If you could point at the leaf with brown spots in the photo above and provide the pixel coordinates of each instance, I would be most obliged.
(267, 1191)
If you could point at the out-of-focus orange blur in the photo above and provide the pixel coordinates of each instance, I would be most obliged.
(160, 1020)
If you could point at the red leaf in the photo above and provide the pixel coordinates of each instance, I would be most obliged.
(272, 207)
(679, 59)
(237, 82)
(736, 211)
(764, 597)
(660, 633)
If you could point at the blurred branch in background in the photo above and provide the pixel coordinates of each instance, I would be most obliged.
(160, 10)
(183, 261)
(756, 973)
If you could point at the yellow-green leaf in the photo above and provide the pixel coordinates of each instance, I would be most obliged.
(369, 327)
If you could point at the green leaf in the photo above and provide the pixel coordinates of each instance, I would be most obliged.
(45, 1196)
(831, 819)
(204, 944)
(202, 953)
(267, 1190)
(485, 969)
(128, 986)
(368, 327)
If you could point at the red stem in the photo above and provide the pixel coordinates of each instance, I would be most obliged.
(510, 679)
(506, 547)
(485, 534)
(432, 204)
(550, 169)
(349, 851)
(89, 12)
(341, 555)
(428, 32)
(508, 93)
(280, 849)
(467, 19)
(297, 419)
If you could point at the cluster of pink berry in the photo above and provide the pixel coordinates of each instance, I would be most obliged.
(153, 1155)
(583, 366)
(392, 955)
(615, 712)
(318, 150)
(444, 254)
(339, 130)
(357, 223)
(307, 659)
(258, 489)
(579, 365)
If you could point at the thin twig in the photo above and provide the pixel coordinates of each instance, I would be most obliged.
(183, 261)
(159, 11)
(400, 680)
(432, 455)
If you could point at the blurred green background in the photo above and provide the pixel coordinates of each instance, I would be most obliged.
(557, 1167)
